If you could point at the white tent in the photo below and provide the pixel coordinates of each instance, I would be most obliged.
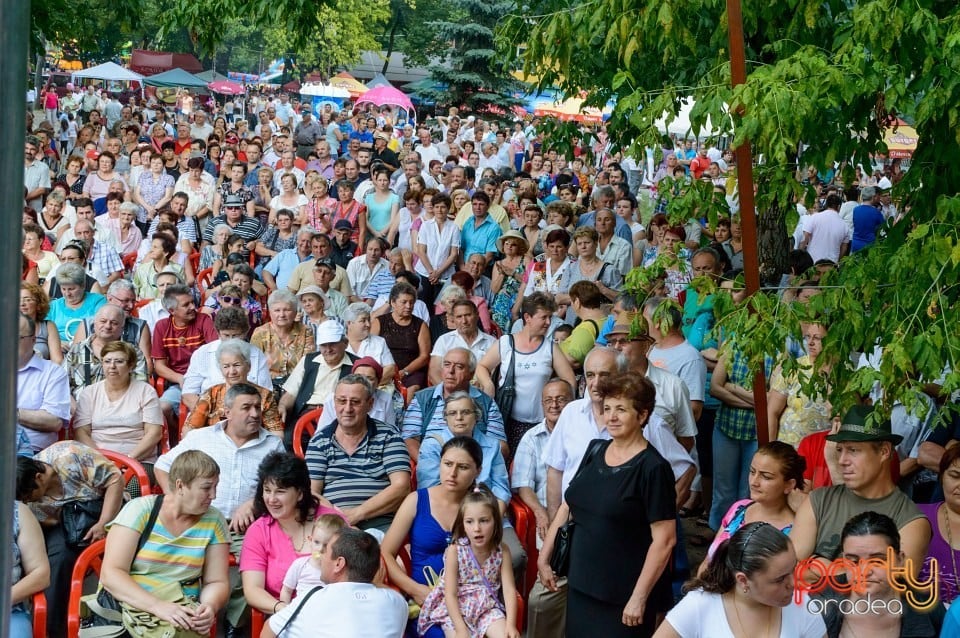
(108, 71)
(681, 127)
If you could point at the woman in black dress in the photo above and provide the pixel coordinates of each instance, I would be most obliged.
(624, 504)
(407, 337)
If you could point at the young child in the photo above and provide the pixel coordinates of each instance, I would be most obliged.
(562, 331)
(304, 573)
(475, 566)
(212, 256)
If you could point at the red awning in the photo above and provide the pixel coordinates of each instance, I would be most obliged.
(153, 62)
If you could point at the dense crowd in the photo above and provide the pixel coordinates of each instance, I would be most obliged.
(305, 321)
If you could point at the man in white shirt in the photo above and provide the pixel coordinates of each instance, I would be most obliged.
(238, 444)
(427, 150)
(825, 234)
(350, 604)
(547, 611)
(201, 129)
(362, 269)
(154, 311)
(673, 398)
(204, 370)
(489, 157)
(467, 335)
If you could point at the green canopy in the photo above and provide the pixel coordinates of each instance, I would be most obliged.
(175, 78)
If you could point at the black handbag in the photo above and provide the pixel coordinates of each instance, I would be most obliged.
(77, 517)
(563, 541)
(506, 394)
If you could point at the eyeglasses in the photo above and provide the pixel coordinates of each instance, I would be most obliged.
(230, 300)
(555, 401)
(456, 413)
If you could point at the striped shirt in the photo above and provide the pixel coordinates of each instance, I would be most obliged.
(351, 479)
(249, 228)
(166, 557)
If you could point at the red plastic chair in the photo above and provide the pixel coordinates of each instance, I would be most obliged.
(306, 425)
(131, 469)
(39, 615)
(257, 620)
(204, 279)
(524, 522)
(194, 258)
(90, 560)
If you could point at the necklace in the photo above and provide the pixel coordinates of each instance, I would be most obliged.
(736, 610)
(303, 538)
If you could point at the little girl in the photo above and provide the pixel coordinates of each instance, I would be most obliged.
(304, 573)
(212, 256)
(467, 600)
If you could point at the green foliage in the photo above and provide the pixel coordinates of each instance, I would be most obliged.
(475, 77)
(94, 30)
(825, 76)
(410, 30)
(207, 21)
(345, 31)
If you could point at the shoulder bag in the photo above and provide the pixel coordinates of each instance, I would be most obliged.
(106, 615)
(563, 541)
(506, 394)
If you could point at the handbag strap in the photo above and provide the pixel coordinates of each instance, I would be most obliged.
(296, 612)
(486, 583)
(151, 521)
(591, 452)
(509, 376)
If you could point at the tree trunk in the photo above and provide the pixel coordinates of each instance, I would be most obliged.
(774, 248)
(390, 42)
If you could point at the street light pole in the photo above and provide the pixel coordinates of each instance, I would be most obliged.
(748, 211)
(15, 18)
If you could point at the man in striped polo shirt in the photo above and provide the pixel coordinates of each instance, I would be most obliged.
(360, 464)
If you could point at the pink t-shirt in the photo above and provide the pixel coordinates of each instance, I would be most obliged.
(267, 549)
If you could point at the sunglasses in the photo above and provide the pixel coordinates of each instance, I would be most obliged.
(230, 300)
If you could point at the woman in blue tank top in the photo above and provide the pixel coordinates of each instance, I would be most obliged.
(425, 520)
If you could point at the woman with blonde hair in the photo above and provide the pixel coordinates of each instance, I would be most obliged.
(178, 578)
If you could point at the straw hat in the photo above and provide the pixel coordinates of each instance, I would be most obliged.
(515, 235)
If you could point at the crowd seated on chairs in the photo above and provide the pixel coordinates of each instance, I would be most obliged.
(417, 366)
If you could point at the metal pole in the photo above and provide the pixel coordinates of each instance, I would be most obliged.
(748, 212)
(14, 16)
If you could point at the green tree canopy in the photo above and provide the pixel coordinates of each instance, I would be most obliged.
(824, 77)
(475, 76)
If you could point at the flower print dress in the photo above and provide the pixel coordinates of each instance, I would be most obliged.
(478, 604)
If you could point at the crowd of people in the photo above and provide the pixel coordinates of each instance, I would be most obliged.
(446, 303)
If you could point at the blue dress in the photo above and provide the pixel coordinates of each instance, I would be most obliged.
(428, 542)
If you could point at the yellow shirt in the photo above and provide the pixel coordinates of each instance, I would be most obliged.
(496, 211)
